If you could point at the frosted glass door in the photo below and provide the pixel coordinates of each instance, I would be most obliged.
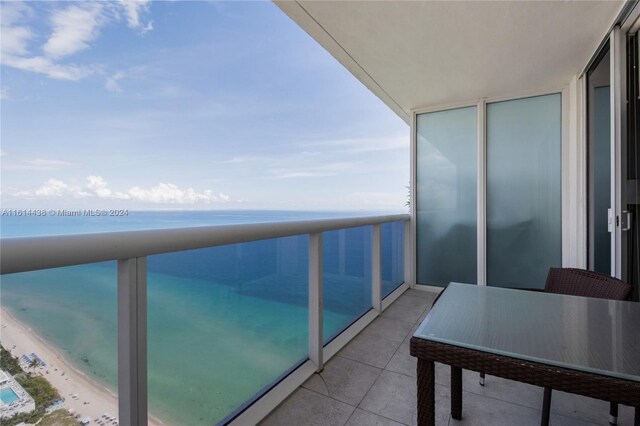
(446, 196)
(524, 238)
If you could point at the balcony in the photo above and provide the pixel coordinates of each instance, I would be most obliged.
(367, 375)
(504, 158)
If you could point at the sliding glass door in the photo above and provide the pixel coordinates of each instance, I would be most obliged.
(599, 164)
(631, 206)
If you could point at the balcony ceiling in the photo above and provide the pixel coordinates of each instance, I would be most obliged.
(417, 54)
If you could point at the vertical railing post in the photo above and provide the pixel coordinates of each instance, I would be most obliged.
(481, 190)
(132, 341)
(342, 252)
(409, 254)
(315, 300)
(376, 268)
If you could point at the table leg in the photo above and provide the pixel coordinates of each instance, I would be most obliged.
(546, 407)
(613, 413)
(456, 393)
(426, 393)
(636, 421)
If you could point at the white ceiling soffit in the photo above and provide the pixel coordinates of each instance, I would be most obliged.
(418, 54)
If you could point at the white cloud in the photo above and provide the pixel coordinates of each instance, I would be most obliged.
(4, 93)
(247, 159)
(320, 161)
(361, 145)
(46, 66)
(73, 29)
(330, 169)
(97, 187)
(52, 188)
(14, 11)
(15, 37)
(299, 164)
(168, 193)
(112, 82)
(132, 10)
(38, 164)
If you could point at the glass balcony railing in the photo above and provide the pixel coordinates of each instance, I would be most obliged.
(235, 317)
(392, 256)
(346, 277)
(210, 311)
(62, 325)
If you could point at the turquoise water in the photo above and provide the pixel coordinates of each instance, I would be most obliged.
(7, 395)
(223, 323)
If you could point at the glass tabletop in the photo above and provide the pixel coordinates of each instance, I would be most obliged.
(580, 333)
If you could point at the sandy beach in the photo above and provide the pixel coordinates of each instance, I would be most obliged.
(81, 394)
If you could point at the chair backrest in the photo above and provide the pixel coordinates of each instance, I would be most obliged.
(578, 282)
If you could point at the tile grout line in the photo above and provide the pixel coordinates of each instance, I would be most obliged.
(351, 415)
(580, 420)
(369, 388)
(405, 338)
(384, 417)
(506, 402)
(378, 373)
(417, 322)
(325, 396)
(362, 362)
(381, 317)
(414, 308)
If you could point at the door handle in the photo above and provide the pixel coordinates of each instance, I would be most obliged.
(626, 220)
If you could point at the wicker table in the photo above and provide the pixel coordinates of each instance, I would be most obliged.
(574, 344)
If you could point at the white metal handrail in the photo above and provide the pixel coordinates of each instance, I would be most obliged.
(131, 249)
(33, 253)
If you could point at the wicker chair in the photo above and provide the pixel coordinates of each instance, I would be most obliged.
(578, 282)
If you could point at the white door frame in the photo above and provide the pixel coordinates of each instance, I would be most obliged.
(568, 205)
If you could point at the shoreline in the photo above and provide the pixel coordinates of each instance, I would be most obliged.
(93, 398)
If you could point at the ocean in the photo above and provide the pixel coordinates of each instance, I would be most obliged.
(224, 323)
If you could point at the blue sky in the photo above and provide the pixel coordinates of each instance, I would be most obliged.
(187, 105)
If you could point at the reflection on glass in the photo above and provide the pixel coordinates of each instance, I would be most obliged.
(392, 256)
(523, 190)
(62, 324)
(223, 323)
(347, 278)
(446, 196)
(601, 152)
(599, 157)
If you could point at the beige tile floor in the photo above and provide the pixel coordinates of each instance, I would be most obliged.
(371, 382)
